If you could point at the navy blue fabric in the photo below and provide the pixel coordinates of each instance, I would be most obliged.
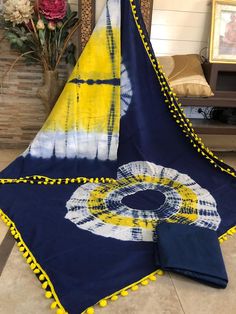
(199, 248)
(149, 132)
(85, 268)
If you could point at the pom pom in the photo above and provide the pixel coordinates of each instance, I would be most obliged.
(36, 271)
(124, 293)
(160, 272)
(44, 285)
(144, 283)
(103, 303)
(90, 310)
(25, 254)
(153, 278)
(29, 260)
(53, 305)
(114, 298)
(48, 294)
(135, 288)
(41, 277)
(32, 266)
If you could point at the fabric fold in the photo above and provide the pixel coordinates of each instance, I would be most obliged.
(190, 251)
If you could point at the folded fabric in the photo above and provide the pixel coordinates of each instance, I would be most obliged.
(190, 251)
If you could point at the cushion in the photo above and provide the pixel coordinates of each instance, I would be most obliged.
(185, 75)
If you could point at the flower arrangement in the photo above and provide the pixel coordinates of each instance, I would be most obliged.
(41, 31)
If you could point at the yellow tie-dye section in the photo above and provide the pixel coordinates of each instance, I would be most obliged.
(84, 107)
(189, 201)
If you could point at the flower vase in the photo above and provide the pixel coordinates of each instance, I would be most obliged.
(51, 90)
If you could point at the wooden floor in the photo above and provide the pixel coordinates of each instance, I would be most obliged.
(21, 293)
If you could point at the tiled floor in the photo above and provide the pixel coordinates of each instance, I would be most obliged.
(20, 292)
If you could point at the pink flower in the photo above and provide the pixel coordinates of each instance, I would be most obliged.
(52, 9)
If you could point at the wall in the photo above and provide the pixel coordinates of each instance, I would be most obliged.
(180, 26)
(21, 111)
(99, 7)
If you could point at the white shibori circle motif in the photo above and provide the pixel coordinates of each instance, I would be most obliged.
(99, 208)
(126, 90)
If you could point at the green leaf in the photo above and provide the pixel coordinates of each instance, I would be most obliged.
(68, 11)
(19, 42)
(42, 36)
(24, 38)
(10, 36)
(73, 14)
(72, 22)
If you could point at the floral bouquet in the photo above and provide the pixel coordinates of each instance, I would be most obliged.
(41, 31)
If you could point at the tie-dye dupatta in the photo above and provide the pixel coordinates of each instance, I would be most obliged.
(116, 185)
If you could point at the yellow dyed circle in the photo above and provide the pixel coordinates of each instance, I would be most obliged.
(99, 207)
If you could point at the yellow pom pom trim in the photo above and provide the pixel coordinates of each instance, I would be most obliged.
(145, 283)
(44, 285)
(103, 303)
(90, 310)
(135, 288)
(124, 293)
(29, 260)
(32, 266)
(36, 271)
(26, 254)
(53, 305)
(114, 298)
(153, 278)
(36, 268)
(224, 236)
(160, 272)
(48, 294)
